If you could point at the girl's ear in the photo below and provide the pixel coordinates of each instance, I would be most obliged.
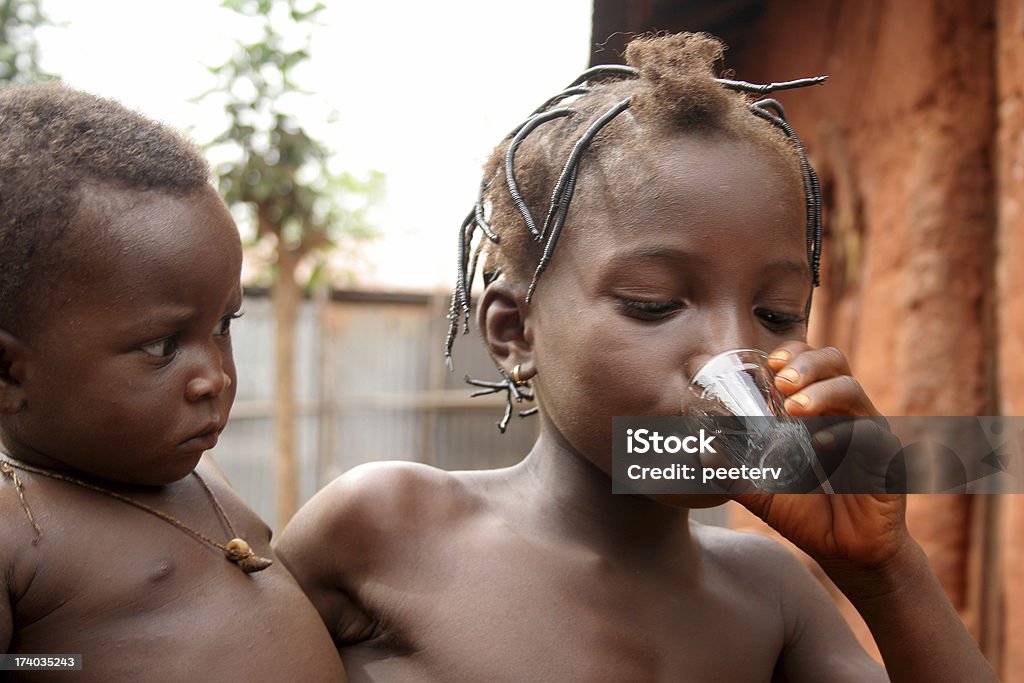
(503, 318)
(12, 365)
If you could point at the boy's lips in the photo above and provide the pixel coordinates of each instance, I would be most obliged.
(205, 439)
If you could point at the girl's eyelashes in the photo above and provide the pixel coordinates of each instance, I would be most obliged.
(778, 322)
(162, 348)
(224, 325)
(649, 310)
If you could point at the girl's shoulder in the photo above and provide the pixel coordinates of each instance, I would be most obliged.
(398, 492)
(750, 559)
(382, 509)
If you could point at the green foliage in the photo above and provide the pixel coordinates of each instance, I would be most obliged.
(19, 50)
(280, 172)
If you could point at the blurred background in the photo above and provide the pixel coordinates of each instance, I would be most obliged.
(348, 140)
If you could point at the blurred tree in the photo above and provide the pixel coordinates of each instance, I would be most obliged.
(280, 174)
(19, 49)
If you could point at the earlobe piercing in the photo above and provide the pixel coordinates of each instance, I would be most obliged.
(510, 383)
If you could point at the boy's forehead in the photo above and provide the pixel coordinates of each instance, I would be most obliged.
(109, 214)
(115, 223)
(128, 235)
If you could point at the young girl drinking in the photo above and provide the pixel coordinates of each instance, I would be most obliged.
(640, 222)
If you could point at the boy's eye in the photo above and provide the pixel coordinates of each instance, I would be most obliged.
(779, 322)
(162, 348)
(224, 326)
(650, 310)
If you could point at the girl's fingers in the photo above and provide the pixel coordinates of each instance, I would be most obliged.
(817, 381)
(840, 395)
(786, 352)
(810, 366)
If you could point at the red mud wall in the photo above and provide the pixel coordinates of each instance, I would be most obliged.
(1009, 166)
(902, 136)
(919, 140)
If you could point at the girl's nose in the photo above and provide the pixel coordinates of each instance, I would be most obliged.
(721, 334)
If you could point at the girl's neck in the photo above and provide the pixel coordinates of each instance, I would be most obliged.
(573, 499)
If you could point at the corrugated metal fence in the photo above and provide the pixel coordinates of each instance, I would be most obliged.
(372, 385)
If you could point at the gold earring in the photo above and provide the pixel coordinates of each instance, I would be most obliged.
(515, 374)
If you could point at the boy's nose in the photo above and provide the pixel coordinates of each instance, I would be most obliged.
(209, 381)
(208, 386)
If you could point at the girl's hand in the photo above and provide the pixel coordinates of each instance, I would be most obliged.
(843, 533)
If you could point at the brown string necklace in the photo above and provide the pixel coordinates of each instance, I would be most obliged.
(236, 550)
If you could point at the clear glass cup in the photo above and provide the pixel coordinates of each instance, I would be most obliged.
(737, 390)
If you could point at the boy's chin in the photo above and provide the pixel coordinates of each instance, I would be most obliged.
(689, 500)
(166, 473)
(162, 477)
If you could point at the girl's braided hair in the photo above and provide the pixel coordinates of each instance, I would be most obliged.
(668, 85)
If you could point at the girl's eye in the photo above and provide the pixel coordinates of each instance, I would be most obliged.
(777, 322)
(162, 348)
(224, 326)
(650, 310)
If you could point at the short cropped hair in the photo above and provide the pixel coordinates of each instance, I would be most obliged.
(55, 140)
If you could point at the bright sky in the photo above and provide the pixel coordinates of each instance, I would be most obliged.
(423, 90)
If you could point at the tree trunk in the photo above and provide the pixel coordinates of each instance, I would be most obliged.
(286, 298)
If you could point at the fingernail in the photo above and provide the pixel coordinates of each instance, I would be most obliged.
(824, 439)
(782, 356)
(790, 375)
(802, 400)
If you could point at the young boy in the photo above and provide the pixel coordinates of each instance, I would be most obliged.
(693, 229)
(121, 543)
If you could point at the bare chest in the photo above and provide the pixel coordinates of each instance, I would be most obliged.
(141, 600)
(516, 613)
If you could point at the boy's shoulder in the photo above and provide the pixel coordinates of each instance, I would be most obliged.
(20, 530)
(19, 554)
